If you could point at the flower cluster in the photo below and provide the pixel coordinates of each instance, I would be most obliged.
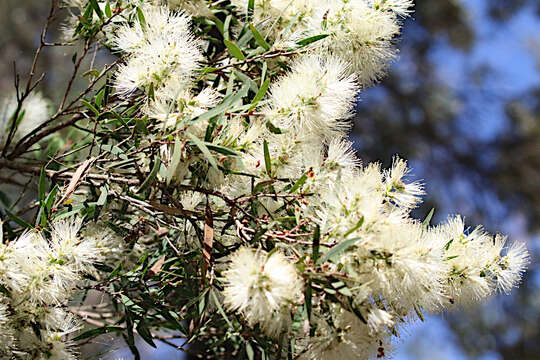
(223, 132)
(37, 277)
(361, 32)
(261, 286)
(390, 266)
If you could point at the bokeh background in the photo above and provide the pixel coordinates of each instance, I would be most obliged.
(462, 103)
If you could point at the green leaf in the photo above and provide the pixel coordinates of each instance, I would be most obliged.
(342, 288)
(18, 220)
(222, 149)
(152, 176)
(262, 91)
(108, 11)
(355, 227)
(250, 9)
(267, 161)
(274, 129)
(42, 188)
(249, 351)
(316, 243)
(220, 309)
(299, 183)
(219, 24)
(99, 97)
(96, 8)
(90, 107)
(130, 338)
(142, 329)
(258, 37)
(225, 104)
(50, 198)
(428, 218)
(312, 39)
(175, 160)
(98, 331)
(308, 301)
(337, 250)
(204, 150)
(141, 18)
(234, 50)
(102, 200)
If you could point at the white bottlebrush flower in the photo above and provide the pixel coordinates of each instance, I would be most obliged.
(313, 99)
(276, 13)
(401, 7)
(345, 337)
(110, 246)
(69, 248)
(407, 265)
(341, 155)
(404, 195)
(161, 49)
(479, 263)
(35, 111)
(378, 320)
(510, 268)
(177, 107)
(262, 287)
(359, 33)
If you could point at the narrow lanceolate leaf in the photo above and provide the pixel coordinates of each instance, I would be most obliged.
(50, 198)
(99, 98)
(311, 39)
(262, 92)
(97, 9)
(226, 103)
(428, 218)
(221, 149)
(98, 331)
(234, 50)
(42, 189)
(204, 149)
(141, 18)
(337, 250)
(175, 160)
(250, 9)
(144, 332)
(90, 107)
(274, 129)
(152, 176)
(208, 238)
(18, 220)
(258, 37)
(220, 308)
(299, 183)
(316, 243)
(355, 227)
(108, 11)
(267, 161)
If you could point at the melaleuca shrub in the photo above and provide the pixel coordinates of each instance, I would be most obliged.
(202, 192)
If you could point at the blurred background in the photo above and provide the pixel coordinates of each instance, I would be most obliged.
(462, 103)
